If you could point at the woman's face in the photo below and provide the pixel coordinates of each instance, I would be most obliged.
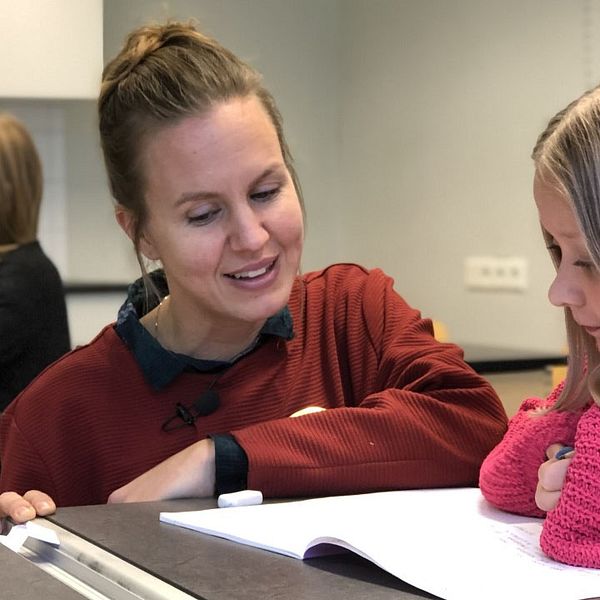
(223, 214)
(577, 282)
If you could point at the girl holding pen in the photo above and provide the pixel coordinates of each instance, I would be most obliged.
(548, 464)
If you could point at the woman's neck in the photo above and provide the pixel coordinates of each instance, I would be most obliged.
(209, 341)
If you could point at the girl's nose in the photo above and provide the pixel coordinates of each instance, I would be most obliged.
(565, 290)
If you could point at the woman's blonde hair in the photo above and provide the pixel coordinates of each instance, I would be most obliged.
(567, 155)
(163, 74)
(21, 183)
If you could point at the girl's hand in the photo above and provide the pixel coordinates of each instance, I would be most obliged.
(551, 477)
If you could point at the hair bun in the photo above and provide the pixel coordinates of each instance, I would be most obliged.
(138, 46)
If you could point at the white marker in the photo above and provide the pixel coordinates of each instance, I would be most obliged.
(243, 498)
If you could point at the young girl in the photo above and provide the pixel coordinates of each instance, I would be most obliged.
(534, 470)
(193, 395)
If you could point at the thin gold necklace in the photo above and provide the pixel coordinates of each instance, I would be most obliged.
(158, 314)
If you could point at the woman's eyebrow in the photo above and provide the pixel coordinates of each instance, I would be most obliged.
(197, 195)
(207, 195)
(271, 170)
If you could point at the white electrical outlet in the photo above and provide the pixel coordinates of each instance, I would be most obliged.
(499, 273)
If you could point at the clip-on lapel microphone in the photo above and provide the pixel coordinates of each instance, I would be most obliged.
(205, 405)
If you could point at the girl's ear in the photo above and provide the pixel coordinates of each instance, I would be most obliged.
(128, 222)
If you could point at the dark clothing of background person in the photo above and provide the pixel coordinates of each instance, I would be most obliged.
(34, 331)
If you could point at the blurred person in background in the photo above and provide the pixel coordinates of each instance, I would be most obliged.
(34, 330)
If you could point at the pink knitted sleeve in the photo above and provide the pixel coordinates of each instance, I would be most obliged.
(571, 532)
(509, 475)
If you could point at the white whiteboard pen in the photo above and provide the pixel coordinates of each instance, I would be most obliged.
(242, 498)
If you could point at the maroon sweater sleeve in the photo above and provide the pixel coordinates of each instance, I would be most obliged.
(509, 475)
(33, 466)
(413, 414)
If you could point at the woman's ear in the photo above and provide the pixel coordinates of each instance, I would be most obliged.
(128, 222)
(125, 220)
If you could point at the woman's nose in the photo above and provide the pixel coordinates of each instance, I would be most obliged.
(248, 232)
(565, 290)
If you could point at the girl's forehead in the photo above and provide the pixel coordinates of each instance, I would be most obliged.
(555, 211)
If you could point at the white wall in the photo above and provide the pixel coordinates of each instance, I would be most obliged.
(89, 313)
(99, 251)
(442, 103)
(50, 48)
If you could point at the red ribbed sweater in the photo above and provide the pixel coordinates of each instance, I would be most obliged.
(404, 411)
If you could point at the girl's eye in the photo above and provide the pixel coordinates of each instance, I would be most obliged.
(555, 253)
(265, 195)
(584, 264)
(203, 218)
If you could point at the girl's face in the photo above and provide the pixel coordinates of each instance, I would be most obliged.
(577, 282)
(223, 214)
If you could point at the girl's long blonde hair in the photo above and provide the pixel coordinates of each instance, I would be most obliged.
(567, 155)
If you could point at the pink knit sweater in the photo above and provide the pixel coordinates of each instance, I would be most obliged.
(508, 477)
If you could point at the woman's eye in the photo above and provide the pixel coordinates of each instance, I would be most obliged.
(265, 195)
(204, 218)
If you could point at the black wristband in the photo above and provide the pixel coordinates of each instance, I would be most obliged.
(231, 465)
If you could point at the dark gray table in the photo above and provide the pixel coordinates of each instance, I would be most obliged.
(217, 569)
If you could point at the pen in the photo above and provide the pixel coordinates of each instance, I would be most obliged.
(562, 453)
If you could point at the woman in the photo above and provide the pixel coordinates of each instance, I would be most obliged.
(193, 396)
(534, 470)
(33, 316)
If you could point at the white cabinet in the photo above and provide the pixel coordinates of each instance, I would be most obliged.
(50, 48)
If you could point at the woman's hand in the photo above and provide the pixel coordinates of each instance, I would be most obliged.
(551, 477)
(24, 508)
(187, 474)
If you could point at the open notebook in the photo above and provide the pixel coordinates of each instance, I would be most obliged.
(448, 542)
